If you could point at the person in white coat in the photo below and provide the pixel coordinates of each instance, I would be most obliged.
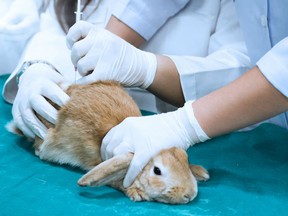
(16, 27)
(46, 54)
(259, 94)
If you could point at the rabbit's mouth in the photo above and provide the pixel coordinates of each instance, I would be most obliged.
(176, 196)
(180, 199)
(172, 201)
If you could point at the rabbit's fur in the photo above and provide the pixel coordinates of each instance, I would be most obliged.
(83, 122)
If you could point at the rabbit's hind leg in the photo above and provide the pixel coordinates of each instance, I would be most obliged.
(54, 151)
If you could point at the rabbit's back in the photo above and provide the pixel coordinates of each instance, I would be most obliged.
(97, 107)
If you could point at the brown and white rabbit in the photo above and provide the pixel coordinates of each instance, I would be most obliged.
(81, 125)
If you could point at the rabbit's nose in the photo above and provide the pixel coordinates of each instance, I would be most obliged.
(189, 196)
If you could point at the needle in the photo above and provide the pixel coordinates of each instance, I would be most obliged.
(78, 18)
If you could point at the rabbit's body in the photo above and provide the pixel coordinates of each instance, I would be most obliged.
(83, 122)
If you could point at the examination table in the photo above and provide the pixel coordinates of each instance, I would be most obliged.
(248, 176)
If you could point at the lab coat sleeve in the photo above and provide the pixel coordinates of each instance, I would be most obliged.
(274, 66)
(226, 60)
(146, 17)
(201, 75)
(41, 4)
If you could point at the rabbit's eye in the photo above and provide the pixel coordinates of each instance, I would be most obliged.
(157, 171)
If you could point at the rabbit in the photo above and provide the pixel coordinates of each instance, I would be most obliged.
(92, 110)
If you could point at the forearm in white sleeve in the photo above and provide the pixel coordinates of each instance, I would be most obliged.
(202, 75)
(274, 66)
(146, 17)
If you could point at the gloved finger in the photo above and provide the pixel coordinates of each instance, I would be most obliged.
(78, 31)
(107, 141)
(86, 79)
(55, 93)
(34, 124)
(96, 42)
(99, 73)
(64, 86)
(21, 126)
(79, 50)
(87, 64)
(117, 148)
(137, 164)
(122, 148)
(25, 130)
(44, 108)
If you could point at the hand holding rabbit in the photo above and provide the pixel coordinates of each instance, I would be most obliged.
(32, 96)
(148, 135)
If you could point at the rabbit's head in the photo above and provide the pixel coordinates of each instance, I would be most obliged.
(167, 177)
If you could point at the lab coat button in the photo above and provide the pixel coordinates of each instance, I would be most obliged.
(263, 20)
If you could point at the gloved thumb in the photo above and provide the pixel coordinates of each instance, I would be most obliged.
(93, 77)
(84, 80)
(137, 164)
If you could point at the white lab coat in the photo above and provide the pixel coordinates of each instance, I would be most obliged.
(200, 31)
(4, 6)
(11, 46)
(262, 23)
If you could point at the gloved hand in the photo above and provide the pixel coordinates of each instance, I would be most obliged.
(148, 135)
(21, 20)
(38, 81)
(101, 55)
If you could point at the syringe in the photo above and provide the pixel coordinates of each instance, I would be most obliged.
(78, 11)
(78, 18)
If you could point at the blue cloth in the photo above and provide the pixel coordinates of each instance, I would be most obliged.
(248, 170)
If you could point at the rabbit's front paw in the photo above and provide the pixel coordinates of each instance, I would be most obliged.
(200, 173)
(136, 194)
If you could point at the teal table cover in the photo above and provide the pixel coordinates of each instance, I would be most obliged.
(248, 170)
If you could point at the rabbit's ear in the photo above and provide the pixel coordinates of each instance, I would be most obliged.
(200, 173)
(108, 171)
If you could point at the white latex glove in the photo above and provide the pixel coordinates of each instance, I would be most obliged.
(148, 135)
(100, 55)
(21, 20)
(38, 81)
